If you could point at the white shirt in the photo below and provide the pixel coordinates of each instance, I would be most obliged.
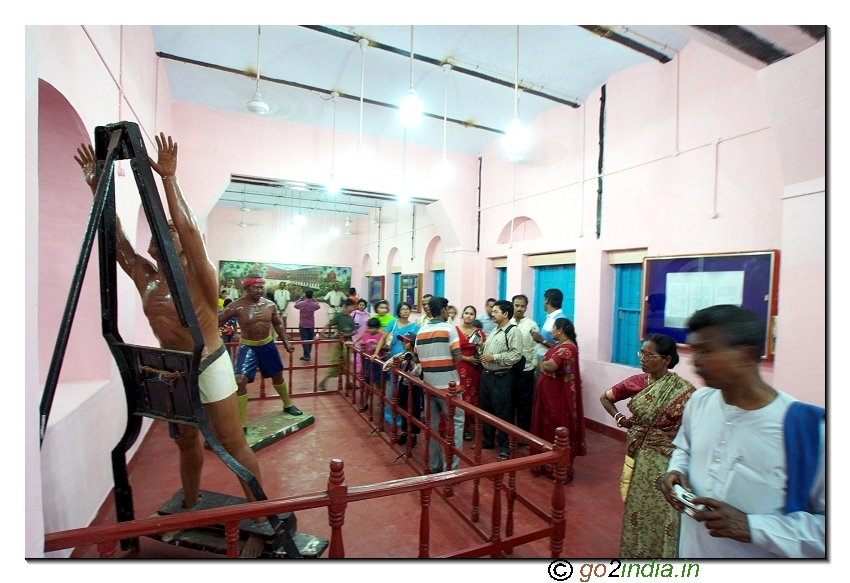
(546, 332)
(281, 298)
(529, 346)
(738, 457)
(335, 298)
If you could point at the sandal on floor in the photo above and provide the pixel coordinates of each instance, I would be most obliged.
(503, 457)
(467, 436)
(536, 471)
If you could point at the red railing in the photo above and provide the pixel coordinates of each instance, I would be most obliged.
(338, 495)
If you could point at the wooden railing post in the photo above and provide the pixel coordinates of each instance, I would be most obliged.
(449, 445)
(425, 523)
(476, 488)
(231, 535)
(428, 433)
(511, 496)
(394, 405)
(107, 549)
(496, 515)
(559, 524)
(337, 491)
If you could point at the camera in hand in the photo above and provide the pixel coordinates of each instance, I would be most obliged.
(407, 356)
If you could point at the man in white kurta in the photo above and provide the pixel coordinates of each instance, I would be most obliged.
(732, 451)
(281, 299)
(738, 457)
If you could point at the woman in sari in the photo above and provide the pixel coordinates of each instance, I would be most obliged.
(392, 342)
(658, 397)
(468, 369)
(558, 401)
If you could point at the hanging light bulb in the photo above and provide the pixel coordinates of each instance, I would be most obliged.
(332, 187)
(334, 231)
(257, 105)
(299, 219)
(445, 171)
(243, 224)
(403, 195)
(518, 137)
(364, 44)
(348, 232)
(411, 108)
(244, 208)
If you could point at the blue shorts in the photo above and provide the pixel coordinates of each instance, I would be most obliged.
(266, 357)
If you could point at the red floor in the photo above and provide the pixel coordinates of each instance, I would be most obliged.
(382, 528)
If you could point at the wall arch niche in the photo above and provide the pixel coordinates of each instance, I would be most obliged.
(524, 229)
(435, 259)
(365, 267)
(391, 289)
(64, 204)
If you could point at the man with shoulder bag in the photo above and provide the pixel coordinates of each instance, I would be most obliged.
(501, 352)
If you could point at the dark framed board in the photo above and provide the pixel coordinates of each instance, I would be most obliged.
(376, 288)
(675, 287)
(410, 290)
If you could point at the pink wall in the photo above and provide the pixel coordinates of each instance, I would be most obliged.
(699, 134)
(77, 69)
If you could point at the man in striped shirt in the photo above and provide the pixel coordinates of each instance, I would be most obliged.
(438, 349)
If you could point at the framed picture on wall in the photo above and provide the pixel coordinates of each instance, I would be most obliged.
(296, 278)
(376, 289)
(410, 290)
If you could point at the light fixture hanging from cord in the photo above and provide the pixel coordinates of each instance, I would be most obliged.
(257, 105)
(445, 172)
(364, 44)
(348, 216)
(411, 108)
(243, 223)
(299, 219)
(244, 208)
(332, 187)
(518, 137)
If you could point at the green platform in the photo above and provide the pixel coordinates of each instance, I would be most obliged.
(264, 431)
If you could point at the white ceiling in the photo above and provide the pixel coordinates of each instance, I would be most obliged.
(215, 66)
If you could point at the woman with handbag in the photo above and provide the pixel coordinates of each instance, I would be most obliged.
(558, 400)
(658, 397)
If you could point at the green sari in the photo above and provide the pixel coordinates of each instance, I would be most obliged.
(650, 524)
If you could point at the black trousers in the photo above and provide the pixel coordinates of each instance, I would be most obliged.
(524, 398)
(307, 334)
(497, 398)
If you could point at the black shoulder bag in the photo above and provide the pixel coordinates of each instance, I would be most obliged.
(519, 366)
